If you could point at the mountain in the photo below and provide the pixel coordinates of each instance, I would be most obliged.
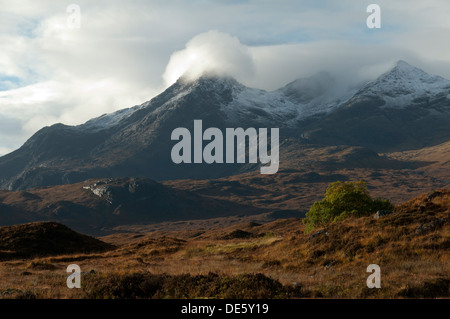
(133, 142)
(404, 108)
(406, 85)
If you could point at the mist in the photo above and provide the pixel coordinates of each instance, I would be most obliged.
(271, 67)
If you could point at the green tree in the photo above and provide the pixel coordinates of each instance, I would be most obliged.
(342, 200)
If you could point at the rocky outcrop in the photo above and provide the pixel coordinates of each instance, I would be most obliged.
(430, 226)
(382, 213)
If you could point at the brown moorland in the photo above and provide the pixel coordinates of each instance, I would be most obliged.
(256, 260)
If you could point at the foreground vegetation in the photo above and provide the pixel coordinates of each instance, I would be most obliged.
(147, 285)
(343, 200)
(274, 260)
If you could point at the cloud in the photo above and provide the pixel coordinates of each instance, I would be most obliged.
(273, 66)
(211, 52)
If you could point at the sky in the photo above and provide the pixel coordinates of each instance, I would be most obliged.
(122, 53)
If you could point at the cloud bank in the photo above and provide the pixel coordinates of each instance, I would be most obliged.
(127, 52)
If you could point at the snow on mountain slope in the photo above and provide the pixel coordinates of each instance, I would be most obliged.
(297, 100)
(106, 121)
(400, 87)
(260, 105)
(405, 85)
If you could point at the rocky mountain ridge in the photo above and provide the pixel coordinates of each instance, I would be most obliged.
(403, 109)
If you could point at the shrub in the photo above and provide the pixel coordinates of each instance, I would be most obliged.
(147, 285)
(437, 288)
(129, 286)
(343, 200)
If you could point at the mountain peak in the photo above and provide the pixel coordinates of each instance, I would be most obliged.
(404, 65)
(403, 84)
(404, 69)
(404, 72)
(208, 78)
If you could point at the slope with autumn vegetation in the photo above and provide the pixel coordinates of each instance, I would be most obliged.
(94, 205)
(411, 245)
(45, 239)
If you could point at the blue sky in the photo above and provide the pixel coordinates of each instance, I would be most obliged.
(125, 53)
(9, 82)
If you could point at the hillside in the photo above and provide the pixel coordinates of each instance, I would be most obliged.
(411, 245)
(102, 206)
(42, 239)
(95, 206)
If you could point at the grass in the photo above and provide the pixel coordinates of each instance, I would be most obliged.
(277, 261)
(163, 286)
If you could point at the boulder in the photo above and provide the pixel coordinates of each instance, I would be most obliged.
(430, 226)
(381, 213)
(317, 233)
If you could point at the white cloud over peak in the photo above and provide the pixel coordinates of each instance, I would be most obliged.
(210, 52)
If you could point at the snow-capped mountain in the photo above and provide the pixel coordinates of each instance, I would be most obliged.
(240, 104)
(404, 108)
(406, 85)
(402, 86)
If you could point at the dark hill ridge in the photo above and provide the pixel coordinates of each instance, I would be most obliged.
(95, 204)
(41, 239)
